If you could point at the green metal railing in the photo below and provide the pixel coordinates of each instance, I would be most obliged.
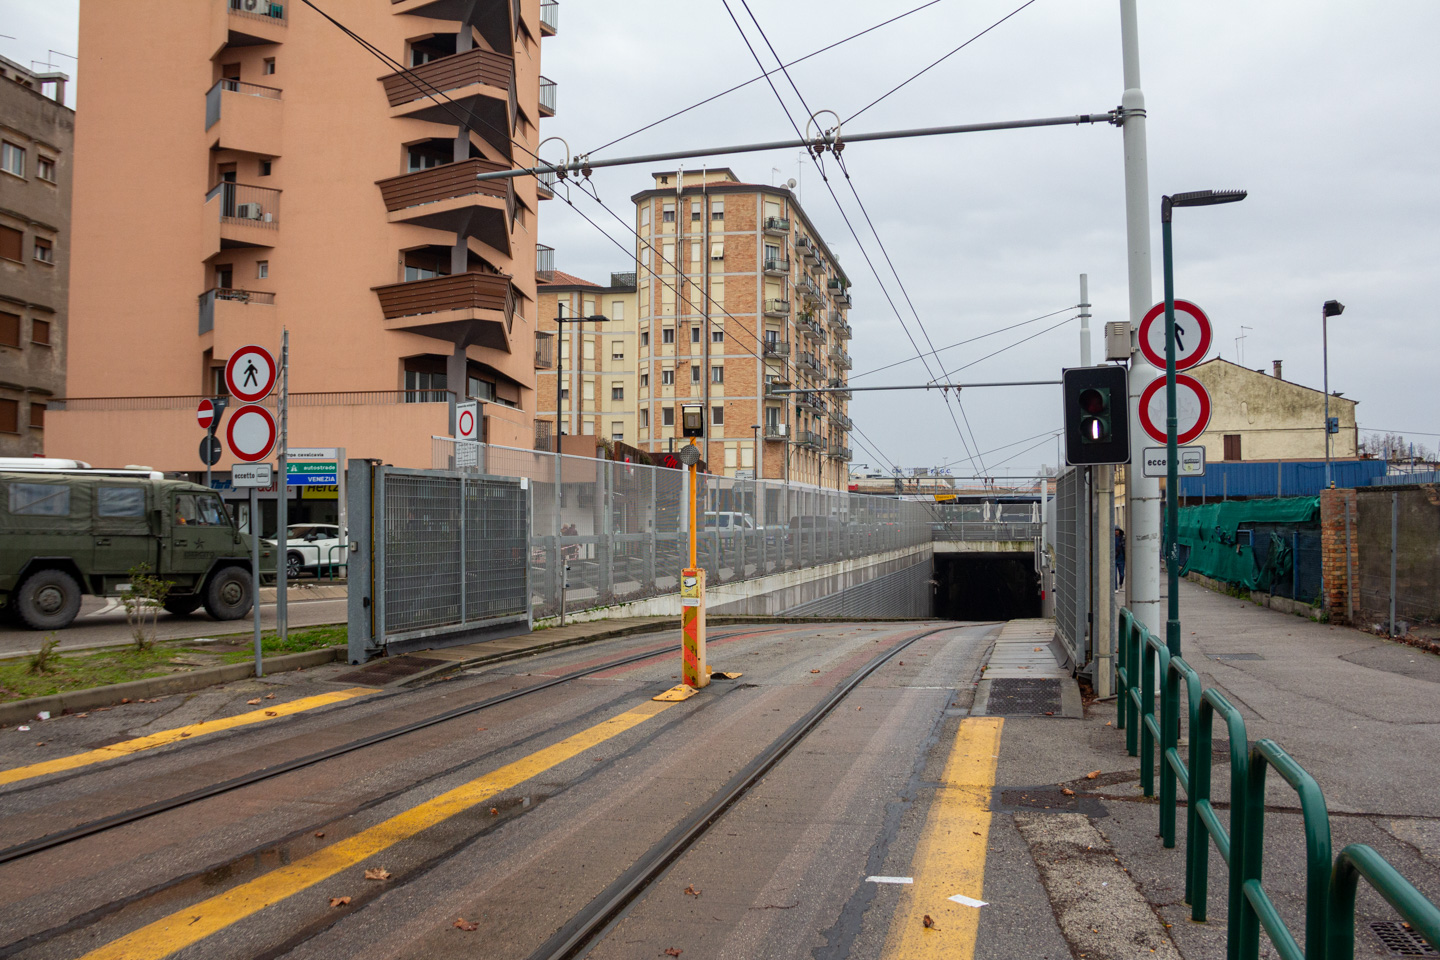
(1145, 667)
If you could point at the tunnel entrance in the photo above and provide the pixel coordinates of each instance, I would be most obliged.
(986, 586)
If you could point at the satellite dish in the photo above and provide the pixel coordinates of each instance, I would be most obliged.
(790, 183)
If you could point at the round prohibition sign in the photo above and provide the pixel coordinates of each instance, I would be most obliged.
(205, 414)
(250, 374)
(1192, 335)
(250, 433)
(1192, 409)
(465, 427)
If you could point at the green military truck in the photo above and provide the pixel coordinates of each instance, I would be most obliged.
(65, 534)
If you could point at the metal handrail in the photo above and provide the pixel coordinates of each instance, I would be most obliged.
(338, 398)
(228, 85)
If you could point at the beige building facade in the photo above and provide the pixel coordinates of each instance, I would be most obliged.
(37, 133)
(740, 297)
(305, 186)
(1259, 416)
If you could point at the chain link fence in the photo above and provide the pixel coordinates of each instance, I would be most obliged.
(1072, 562)
(622, 529)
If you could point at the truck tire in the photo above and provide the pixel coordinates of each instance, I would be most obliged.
(183, 606)
(48, 600)
(229, 593)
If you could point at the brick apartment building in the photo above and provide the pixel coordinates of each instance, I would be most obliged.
(739, 296)
(282, 177)
(37, 132)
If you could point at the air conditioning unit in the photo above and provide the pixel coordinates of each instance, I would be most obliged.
(255, 6)
(248, 211)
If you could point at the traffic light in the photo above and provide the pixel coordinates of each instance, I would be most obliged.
(1097, 415)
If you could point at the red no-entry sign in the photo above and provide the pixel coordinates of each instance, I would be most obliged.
(205, 413)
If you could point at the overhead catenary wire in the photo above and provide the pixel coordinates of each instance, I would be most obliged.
(961, 343)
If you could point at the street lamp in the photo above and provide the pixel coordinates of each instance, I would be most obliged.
(1195, 198)
(560, 365)
(1332, 308)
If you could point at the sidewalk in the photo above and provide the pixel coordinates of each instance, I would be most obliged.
(1360, 713)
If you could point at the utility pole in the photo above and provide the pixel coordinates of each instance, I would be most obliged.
(282, 499)
(1084, 320)
(1142, 494)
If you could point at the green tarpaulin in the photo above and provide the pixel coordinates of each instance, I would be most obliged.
(1209, 532)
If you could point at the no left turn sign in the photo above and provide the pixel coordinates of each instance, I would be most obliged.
(250, 374)
(250, 433)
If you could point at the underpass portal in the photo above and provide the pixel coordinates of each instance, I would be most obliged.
(986, 586)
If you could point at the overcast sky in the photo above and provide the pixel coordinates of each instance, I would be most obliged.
(1324, 110)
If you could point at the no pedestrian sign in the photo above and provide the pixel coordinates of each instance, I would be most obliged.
(250, 374)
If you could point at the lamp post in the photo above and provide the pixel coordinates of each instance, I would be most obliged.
(1332, 308)
(759, 463)
(1195, 198)
(560, 364)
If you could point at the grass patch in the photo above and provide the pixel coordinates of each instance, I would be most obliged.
(98, 668)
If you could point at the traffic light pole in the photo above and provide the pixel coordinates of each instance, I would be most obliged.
(1172, 482)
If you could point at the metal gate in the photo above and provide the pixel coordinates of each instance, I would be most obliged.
(1072, 563)
(438, 557)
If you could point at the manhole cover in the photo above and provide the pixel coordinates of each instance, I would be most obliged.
(1016, 697)
(1401, 941)
(1235, 656)
(383, 671)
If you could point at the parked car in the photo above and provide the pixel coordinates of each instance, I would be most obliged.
(67, 533)
(308, 546)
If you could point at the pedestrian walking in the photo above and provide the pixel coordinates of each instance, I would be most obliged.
(1119, 558)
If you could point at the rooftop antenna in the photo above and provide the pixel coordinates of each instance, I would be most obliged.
(1240, 345)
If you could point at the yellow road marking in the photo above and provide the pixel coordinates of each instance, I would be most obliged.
(195, 923)
(165, 737)
(950, 857)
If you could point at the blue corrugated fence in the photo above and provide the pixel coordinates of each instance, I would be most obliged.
(1285, 478)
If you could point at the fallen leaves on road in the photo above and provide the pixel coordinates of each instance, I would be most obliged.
(377, 873)
(692, 891)
(466, 925)
(494, 811)
(82, 716)
(269, 696)
(253, 702)
(184, 735)
(124, 699)
(1037, 649)
(319, 834)
(814, 671)
(339, 901)
(271, 713)
(1092, 774)
(929, 922)
(673, 951)
(1067, 791)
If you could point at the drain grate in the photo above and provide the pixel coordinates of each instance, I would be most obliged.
(1018, 697)
(390, 668)
(1401, 940)
(1235, 656)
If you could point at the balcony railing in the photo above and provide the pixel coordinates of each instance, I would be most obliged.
(776, 348)
(241, 203)
(839, 394)
(544, 436)
(545, 185)
(268, 10)
(776, 431)
(544, 350)
(213, 96)
(459, 291)
(807, 249)
(811, 439)
(547, 97)
(809, 289)
(777, 224)
(840, 452)
(230, 295)
(775, 384)
(809, 363)
(841, 358)
(842, 300)
(841, 421)
(777, 265)
(839, 326)
(549, 18)
(443, 183)
(811, 328)
(336, 398)
(776, 307)
(449, 73)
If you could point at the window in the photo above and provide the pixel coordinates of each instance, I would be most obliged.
(717, 416)
(717, 336)
(44, 250)
(198, 509)
(425, 385)
(667, 416)
(45, 168)
(9, 330)
(667, 378)
(40, 332)
(266, 167)
(617, 431)
(717, 250)
(617, 350)
(694, 374)
(37, 414)
(772, 251)
(644, 381)
(667, 211)
(419, 273)
(617, 309)
(717, 210)
(644, 419)
(269, 68)
(645, 215)
(120, 502)
(694, 333)
(587, 389)
(645, 256)
(645, 339)
(12, 243)
(617, 391)
(717, 374)
(564, 393)
(587, 349)
(38, 499)
(667, 335)
(12, 159)
(262, 269)
(1232, 446)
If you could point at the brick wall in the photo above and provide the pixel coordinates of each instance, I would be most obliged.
(1335, 506)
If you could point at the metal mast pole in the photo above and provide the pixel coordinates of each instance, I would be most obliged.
(1142, 494)
(282, 502)
(1084, 320)
(1172, 421)
(1325, 354)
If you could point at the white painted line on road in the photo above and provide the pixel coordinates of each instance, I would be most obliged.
(960, 898)
(889, 879)
(112, 605)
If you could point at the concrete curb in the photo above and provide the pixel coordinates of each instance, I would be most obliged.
(74, 700)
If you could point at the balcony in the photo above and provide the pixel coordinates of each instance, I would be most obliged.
(842, 300)
(776, 431)
(809, 438)
(839, 394)
(471, 308)
(474, 81)
(776, 307)
(545, 185)
(774, 384)
(544, 350)
(775, 348)
(839, 326)
(777, 266)
(248, 23)
(547, 97)
(806, 247)
(239, 215)
(840, 420)
(840, 357)
(549, 18)
(809, 290)
(809, 363)
(777, 226)
(840, 452)
(812, 402)
(248, 115)
(237, 317)
(449, 198)
(811, 329)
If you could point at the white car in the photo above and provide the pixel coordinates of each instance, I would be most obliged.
(308, 546)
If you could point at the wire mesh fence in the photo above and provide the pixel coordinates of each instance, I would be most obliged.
(622, 529)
